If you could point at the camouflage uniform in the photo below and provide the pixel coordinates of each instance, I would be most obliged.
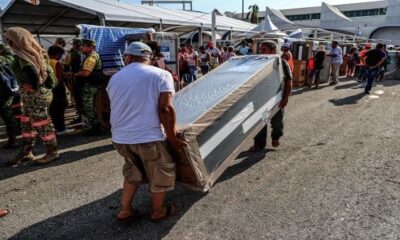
(90, 88)
(35, 118)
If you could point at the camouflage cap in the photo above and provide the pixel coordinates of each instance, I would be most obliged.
(88, 42)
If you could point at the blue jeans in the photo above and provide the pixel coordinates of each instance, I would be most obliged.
(372, 74)
(192, 76)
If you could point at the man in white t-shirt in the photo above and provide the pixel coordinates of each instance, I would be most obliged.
(142, 118)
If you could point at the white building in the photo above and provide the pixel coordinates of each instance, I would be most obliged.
(375, 20)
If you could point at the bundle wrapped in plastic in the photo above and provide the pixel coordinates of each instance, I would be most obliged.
(218, 113)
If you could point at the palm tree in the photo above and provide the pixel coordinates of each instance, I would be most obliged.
(253, 13)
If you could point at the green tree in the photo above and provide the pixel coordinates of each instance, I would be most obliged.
(253, 13)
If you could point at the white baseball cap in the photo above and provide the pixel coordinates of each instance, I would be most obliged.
(138, 49)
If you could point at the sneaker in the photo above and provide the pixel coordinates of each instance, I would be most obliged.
(65, 132)
(367, 92)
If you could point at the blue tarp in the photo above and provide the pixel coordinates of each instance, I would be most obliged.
(111, 42)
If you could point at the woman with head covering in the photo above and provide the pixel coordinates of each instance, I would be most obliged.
(36, 80)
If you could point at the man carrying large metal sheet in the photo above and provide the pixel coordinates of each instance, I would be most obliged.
(260, 140)
(141, 101)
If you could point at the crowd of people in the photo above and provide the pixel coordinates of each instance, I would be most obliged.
(370, 64)
(37, 107)
(142, 112)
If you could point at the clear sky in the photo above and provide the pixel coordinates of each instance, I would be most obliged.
(236, 5)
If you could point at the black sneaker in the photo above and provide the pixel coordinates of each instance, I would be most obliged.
(367, 92)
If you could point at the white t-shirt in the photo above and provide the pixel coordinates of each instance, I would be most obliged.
(134, 94)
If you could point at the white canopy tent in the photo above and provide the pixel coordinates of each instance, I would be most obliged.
(62, 16)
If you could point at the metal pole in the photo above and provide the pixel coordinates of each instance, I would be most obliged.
(161, 26)
(214, 27)
(102, 20)
(242, 10)
(200, 37)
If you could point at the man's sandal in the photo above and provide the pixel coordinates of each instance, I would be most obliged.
(170, 211)
(129, 219)
(4, 212)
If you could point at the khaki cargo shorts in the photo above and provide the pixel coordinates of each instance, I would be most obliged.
(148, 162)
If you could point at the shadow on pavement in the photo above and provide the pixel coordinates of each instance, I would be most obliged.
(305, 90)
(96, 220)
(389, 83)
(65, 157)
(347, 100)
(346, 86)
(249, 159)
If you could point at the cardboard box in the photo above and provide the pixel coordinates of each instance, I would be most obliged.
(219, 112)
(299, 73)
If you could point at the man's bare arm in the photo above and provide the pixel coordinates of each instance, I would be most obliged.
(167, 115)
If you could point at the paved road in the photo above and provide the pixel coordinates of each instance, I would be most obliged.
(336, 176)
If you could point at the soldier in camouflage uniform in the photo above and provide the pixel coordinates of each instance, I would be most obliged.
(72, 65)
(10, 106)
(36, 78)
(90, 76)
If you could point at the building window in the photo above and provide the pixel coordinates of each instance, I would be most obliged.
(364, 13)
(303, 17)
(316, 16)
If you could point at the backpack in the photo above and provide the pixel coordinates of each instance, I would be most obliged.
(9, 81)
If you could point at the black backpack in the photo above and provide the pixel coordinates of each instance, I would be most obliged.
(9, 84)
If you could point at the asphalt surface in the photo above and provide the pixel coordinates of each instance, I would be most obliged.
(335, 176)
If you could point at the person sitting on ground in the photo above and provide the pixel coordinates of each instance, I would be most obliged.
(139, 122)
(260, 141)
(59, 102)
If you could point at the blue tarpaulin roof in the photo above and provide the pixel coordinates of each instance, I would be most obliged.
(111, 42)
